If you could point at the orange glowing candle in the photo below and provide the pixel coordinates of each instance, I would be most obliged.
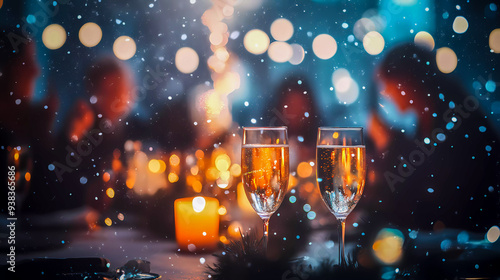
(197, 223)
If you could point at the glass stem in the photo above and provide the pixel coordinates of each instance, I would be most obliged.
(265, 235)
(342, 261)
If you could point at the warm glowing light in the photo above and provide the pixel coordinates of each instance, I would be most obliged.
(154, 166)
(223, 239)
(1, 3)
(460, 25)
(222, 162)
(304, 170)
(216, 38)
(388, 246)
(16, 156)
(222, 210)
(106, 177)
(282, 29)
(186, 60)
(225, 84)
(495, 40)
(242, 199)
(256, 41)
(197, 186)
(124, 47)
(225, 175)
(235, 170)
(446, 60)
(280, 52)
(27, 176)
(172, 177)
(373, 42)
(297, 54)
(493, 234)
(424, 40)
(174, 160)
(121, 217)
(222, 54)
(199, 154)
(108, 222)
(54, 36)
(197, 223)
(194, 170)
(163, 166)
(212, 174)
(234, 230)
(90, 34)
(324, 46)
(110, 192)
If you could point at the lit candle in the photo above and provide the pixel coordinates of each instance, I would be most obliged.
(197, 223)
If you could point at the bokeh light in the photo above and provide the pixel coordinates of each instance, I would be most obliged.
(1, 3)
(54, 36)
(424, 40)
(362, 27)
(108, 222)
(280, 52)
(174, 160)
(495, 40)
(346, 89)
(446, 60)
(90, 34)
(154, 166)
(256, 41)
(373, 42)
(460, 25)
(304, 170)
(297, 54)
(199, 204)
(186, 60)
(493, 234)
(172, 177)
(324, 46)
(388, 246)
(222, 162)
(110, 193)
(282, 29)
(124, 47)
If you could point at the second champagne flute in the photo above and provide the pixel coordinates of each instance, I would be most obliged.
(264, 157)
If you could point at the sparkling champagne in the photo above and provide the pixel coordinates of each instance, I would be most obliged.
(341, 177)
(265, 176)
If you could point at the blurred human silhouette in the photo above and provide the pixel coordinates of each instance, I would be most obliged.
(26, 127)
(448, 175)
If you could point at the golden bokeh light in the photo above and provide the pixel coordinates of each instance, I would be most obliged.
(460, 25)
(186, 60)
(304, 170)
(373, 42)
(388, 246)
(222, 162)
(199, 154)
(124, 47)
(90, 34)
(174, 160)
(297, 54)
(108, 222)
(197, 186)
(493, 234)
(27, 176)
(54, 36)
(234, 229)
(222, 210)
(163, 166)
(235, 170)
(154, 166)
(495, 40)
(280, 52)
(110, 193)
(282, 29)
(324, 46)
(1, 3)
(446, 60)
(225, 175)
(424, 40)
(256, 41)
(172, 177)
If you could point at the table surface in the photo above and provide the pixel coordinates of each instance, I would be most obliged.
(120, 245)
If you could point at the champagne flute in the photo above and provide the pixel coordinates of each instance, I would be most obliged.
(341, 169)
(264, 157)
